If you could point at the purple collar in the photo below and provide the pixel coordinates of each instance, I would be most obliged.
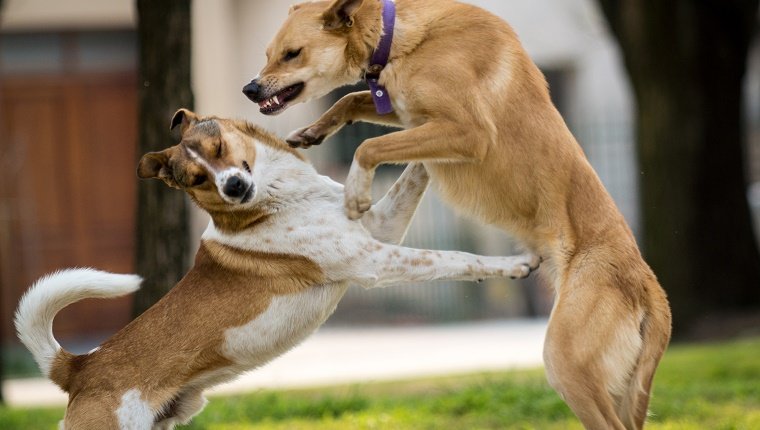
(380, 59)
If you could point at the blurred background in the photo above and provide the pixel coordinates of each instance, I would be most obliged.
(87, 86)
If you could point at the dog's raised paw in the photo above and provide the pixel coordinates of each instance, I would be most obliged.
(305, 137)
(535, 261)
(524, 265)
(356, 209)
(358, 194)
(522, 271)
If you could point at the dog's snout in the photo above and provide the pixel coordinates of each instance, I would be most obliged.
(253, 90)
(235, 187)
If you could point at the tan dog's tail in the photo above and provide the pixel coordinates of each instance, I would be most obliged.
(50, 294)
(655, 331)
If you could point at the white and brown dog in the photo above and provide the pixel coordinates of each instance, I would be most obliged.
(477, 113)
(275, 260)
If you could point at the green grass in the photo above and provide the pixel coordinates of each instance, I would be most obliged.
(711, 386)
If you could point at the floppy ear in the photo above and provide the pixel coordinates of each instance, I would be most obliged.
(183, 117)
(340, 13)
(156, 165)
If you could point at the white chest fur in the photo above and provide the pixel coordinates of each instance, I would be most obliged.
(286, 322)
(312, 223)
(309, 222)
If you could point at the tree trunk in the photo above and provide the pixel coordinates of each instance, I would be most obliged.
(2, 305)
(162, 219)
(687, 60)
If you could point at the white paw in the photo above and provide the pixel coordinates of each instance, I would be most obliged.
(524, 265)
(358, 193)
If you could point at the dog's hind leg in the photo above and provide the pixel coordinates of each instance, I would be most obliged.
(389, 219)
(181, 410)
(655, 331)
(357, 106)
(92, 412)
(592, 345)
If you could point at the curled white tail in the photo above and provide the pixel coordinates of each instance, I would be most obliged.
(50, 294)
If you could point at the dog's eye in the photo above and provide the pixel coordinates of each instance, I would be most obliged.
(198, 180)
(291, 54)
(219, 149)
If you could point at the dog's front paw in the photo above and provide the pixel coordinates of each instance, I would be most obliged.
(355, 207)
(306, 137)
(358, 193)
(524, 265)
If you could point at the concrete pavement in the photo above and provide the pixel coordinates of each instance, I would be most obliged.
(340, 355)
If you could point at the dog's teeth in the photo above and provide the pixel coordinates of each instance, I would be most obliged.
(276, 100)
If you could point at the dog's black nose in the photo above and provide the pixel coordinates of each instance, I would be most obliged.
(253, 90)
(234, 187)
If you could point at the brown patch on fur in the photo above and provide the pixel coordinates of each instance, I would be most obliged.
(167, 349)
(302, 271)
(61, 368)
(421, 262)
(229, 220)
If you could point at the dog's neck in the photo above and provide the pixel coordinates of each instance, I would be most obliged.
(410, 29)
(411, 26)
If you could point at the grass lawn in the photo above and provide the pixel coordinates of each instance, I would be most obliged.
(711, 386)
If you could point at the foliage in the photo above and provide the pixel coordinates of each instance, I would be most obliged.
(715, 386)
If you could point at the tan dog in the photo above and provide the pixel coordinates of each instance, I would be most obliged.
(477, 113)
(275, 260)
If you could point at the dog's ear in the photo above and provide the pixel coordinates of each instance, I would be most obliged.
(293, 8)
(183, 117)
(340, 13)
(156, 165)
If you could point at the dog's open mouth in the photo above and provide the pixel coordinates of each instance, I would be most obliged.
(278, 102)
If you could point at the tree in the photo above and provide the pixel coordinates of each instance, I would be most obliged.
(2, 305)
(2, 341)
(687, 60)
(162, 219)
